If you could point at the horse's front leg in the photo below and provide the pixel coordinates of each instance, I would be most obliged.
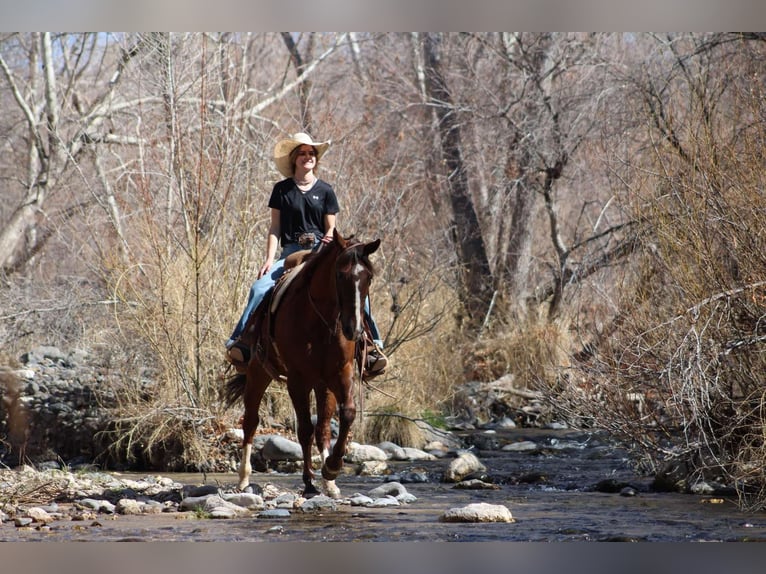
(300, 394)
(326, 405)
(333, 464)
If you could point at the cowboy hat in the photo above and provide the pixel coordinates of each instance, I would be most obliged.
(284, 147)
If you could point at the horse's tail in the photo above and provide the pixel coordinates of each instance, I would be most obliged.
(234, 389)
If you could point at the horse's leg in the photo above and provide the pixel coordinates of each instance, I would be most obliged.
(347, 413)
(300, 394)
(325, 409)
(257, 383)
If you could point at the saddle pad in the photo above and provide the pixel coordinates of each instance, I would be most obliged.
(282, 285)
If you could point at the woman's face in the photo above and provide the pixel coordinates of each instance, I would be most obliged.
(306, 158)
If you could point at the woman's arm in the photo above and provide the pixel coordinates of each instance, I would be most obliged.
(272, 242)
(329, 225)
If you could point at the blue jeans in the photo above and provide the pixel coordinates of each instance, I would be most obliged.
(262, 286)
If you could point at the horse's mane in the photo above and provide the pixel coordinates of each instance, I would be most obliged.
(317, 258)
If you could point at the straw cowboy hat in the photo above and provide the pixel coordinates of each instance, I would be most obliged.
(284, 147)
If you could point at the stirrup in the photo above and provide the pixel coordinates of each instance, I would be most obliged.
(376, 363)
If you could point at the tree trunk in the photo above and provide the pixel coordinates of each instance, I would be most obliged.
(476, 276)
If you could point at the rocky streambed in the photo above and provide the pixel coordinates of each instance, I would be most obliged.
(478, 484)
(537, 485)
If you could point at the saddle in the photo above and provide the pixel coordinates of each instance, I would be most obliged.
(258, 334)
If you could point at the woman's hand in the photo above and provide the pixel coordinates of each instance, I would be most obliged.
(326, 239)
(265, 268)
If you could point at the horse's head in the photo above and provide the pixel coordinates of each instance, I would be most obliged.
(353, 275)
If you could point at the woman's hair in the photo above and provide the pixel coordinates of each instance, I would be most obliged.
(294, 155)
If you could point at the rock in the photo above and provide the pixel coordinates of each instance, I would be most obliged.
(274, 513)
(466, 463)
(245, 500)
(372, 468)
(387, 489)
(128, 506)
(702, 487)
(417, 454)
(384, 502)
(394, 451)
(210, 503)
(318, 503)
(476, 484)
(478, 512)
(223, 512)
(361, 453)
(522, 446)
(360, 500)
(39, 515)
(408, 477)
(197, 491)
(277, 448)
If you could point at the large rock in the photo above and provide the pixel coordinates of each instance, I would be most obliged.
(478, 512)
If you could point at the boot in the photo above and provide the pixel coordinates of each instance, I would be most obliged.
(376, 362)
(238, 354)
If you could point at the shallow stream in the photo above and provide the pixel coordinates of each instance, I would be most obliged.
(549, 491)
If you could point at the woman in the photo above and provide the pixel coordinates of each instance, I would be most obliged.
(303, 211)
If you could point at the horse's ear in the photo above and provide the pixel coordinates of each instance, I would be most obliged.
(338, 238)
(371, 247)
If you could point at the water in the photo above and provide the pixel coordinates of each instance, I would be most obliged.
(549, 492)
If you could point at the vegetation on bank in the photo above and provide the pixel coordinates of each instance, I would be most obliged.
(582, 211)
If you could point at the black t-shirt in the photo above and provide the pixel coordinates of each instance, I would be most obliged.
(302, 212)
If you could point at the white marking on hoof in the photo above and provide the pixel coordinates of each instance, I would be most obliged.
(331, 489)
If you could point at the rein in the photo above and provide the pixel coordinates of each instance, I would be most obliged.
(334, 329)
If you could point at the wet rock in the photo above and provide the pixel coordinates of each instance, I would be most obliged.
(286, 500)
(628, 491)
(319, 503)
(384, 502)
(416, 454)
(478, 512)
(610, 486)
(129, 506)
(466, 463)
(394, 490)
(97, 505)
(195, 491)
(476, 484)
(245, 500)
(360, 500)
(372, 468)
(521, 446)
(39, 515)
(408, 477)
(277, 448)
(364, 452)
(21, 521)
(394, 451)
(274, 513)
(211, 503)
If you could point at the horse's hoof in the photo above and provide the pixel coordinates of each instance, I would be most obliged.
(244, 486)
(332, 489)
(310, 491)
(328, 474)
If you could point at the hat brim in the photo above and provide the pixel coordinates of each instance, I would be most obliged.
(284, 147)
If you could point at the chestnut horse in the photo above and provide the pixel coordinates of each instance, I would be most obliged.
(311, 339)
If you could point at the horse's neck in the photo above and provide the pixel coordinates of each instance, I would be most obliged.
(321, 278)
